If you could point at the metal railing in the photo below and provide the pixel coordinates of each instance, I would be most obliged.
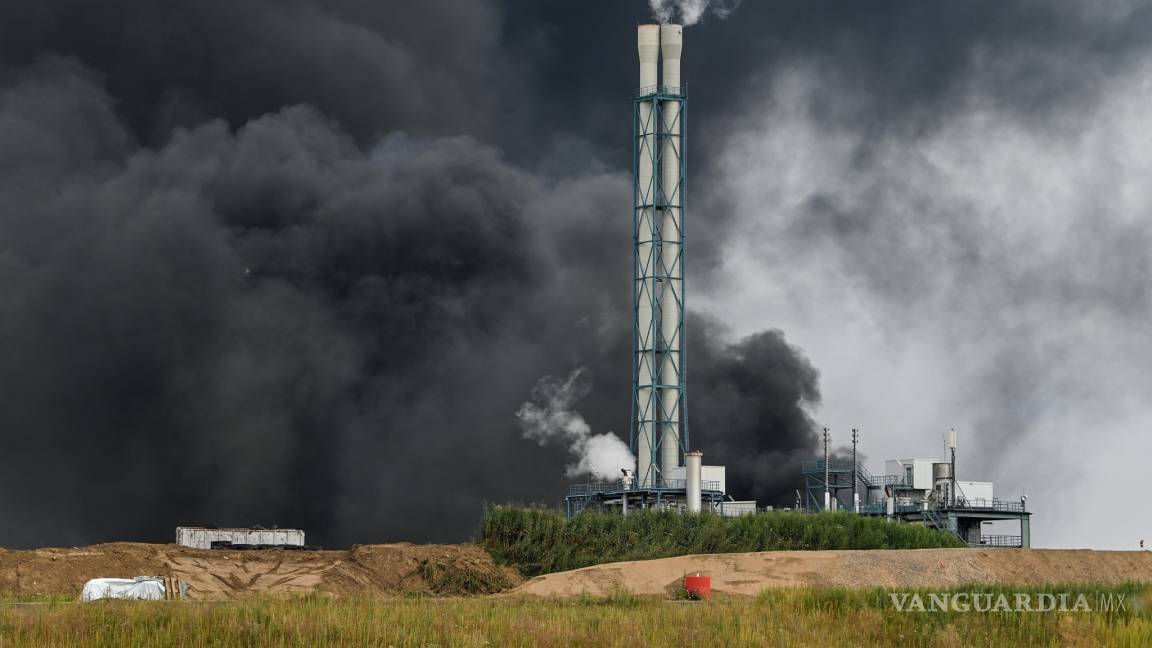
(994, 505)
(674, 91)
(881, 508)
(839, 466)
(887, 480)
(1011, 541)
(594, 488)
(1006, 506)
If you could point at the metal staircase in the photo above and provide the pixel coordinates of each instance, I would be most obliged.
(933, 519)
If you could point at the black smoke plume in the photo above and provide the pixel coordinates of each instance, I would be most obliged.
(279, 324)
(758, 383)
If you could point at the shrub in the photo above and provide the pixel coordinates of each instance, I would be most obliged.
(539, 540)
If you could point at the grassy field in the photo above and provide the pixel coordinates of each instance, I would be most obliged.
(802, 617)
(539, 541)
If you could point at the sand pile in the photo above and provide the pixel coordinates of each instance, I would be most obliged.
(749, 573)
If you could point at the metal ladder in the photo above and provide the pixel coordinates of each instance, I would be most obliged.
(933, 518)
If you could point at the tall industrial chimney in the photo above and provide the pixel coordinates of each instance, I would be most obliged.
(644, 362)
(659, 434)
(671, 247)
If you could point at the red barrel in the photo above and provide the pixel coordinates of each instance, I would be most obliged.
(698, 586)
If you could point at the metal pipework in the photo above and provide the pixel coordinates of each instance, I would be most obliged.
(952, 447)
(827, 493)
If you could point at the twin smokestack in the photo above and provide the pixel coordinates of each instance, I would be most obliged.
(660, 437)
(652, 41)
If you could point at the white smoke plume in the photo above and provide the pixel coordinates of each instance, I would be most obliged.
(549, 417)
(689, 12)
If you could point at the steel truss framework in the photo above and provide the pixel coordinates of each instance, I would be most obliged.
(654, 269)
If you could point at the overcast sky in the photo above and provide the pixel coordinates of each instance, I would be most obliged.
(300, 263)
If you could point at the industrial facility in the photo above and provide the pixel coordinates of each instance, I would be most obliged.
(922, 491)
(668, 475)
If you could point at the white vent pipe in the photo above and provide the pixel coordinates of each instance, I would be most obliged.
(693, 467)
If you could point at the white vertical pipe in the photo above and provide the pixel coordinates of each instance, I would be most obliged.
(671, 47)
(672, 289)
(693, 467)
(648, 46)
(952, 447)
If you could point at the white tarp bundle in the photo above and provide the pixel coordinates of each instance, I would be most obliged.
(141, 588)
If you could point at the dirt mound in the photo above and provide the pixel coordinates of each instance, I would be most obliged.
(449, 570)
(420, 569)
(749, 573)
(369, 570)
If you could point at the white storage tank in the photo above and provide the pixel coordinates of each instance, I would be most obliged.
(942, 476)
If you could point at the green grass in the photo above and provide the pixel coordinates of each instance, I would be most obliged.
(538, 540)
(9, 598)
(791, 617)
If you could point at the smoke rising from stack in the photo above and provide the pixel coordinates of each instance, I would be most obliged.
(690, 12)
(550, 418)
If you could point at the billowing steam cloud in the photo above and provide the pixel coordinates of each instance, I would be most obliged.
(550, 417)
(689, 12)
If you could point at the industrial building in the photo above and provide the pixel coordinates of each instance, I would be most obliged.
(920, 491)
